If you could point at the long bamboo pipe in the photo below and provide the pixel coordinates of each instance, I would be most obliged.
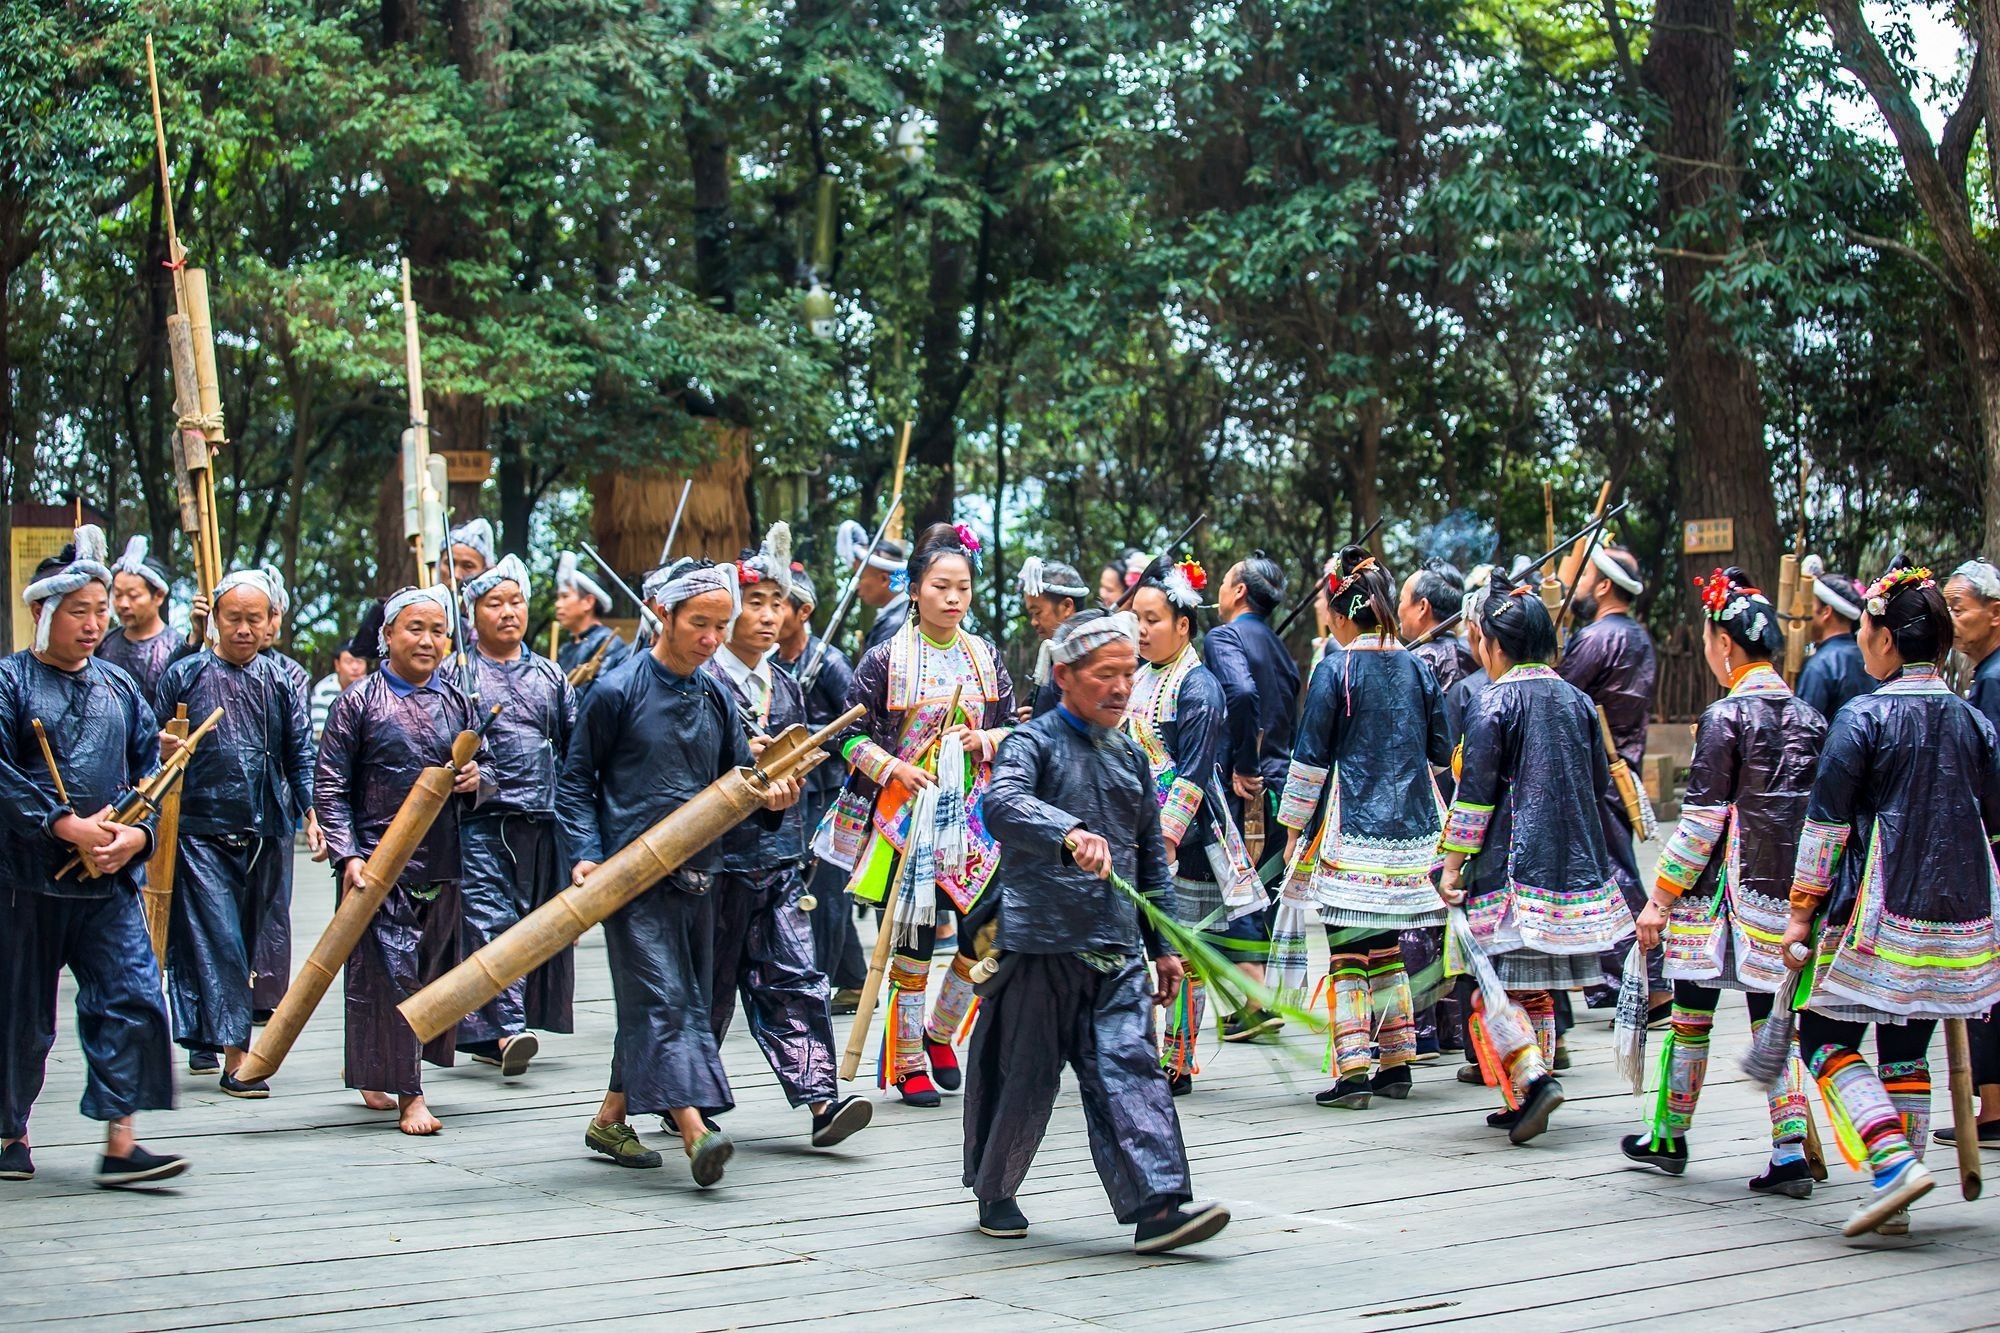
(158, 891)
(629, 872)
(1964, 1119)
(384, 867)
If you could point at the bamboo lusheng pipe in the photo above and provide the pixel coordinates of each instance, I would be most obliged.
(627, 873)
(1964, 1119)
(379, 874)
(893, 520)
(145, 798)
(420, 428)
(1792, 615)
(555, 640)
(49, 758)
(1622, 780)
(157, 894)
(583, 673)
(885, 934)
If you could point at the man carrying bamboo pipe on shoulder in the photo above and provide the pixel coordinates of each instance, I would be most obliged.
(271, 954)
(99, 732)
(379, 738)
(244, 789)
(648, 739)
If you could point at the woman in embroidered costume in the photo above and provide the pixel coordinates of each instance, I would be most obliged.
(1895, 879)
(1178, 717)
(1360, 792)
(1719, 898)
(1535, 879)
(912, 804)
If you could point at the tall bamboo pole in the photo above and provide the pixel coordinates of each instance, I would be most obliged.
(418, 468)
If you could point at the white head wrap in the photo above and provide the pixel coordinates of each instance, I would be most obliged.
(508, 570)
(1604, 563)
(668, 587)
(569, 575)
(1983, 575)
(478, 535)
(87, 566)
(437, 595)
(257, 579)
(134, 561)
(1829, 592)
(773, 559)
(802, 593)
(281, 600)
(1040, 578)
(1083, 634)
(851, 544)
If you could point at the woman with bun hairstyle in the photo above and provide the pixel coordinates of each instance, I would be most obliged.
(912, 807)
(1894, 892)
(1719, 899)
(1178, 717)
(1535, 878)
(1361, 795)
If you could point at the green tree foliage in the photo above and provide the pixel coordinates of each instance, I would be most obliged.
(1296, 263)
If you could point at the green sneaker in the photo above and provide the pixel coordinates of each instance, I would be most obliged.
(621, 1144)
(711, 1152)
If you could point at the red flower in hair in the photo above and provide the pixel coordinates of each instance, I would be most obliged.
(746, 573)
(1715, 591)
(1196, 576)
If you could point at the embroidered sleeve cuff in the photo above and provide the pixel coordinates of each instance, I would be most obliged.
(1465, 828)
(1820, 846)
(1303, 786)
(872, 761)
(1692, 847)
(1183, 799)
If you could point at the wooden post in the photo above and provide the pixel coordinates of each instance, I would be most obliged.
(384, 867)
(159, 896)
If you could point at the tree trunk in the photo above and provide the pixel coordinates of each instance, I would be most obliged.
(1724, 469)
(479, 37)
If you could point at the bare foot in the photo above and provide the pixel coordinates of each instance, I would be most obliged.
(378, 1101)
(417, 1118)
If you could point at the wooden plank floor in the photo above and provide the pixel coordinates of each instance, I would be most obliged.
(310, 1211)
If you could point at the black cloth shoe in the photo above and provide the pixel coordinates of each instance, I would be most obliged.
(1349, 1094)
(1002, 1218)
(259, 1017)
(252, 1092)
(1180, 1084)
(1793, 1180)
(1182, 1226)
(1672, 1159)
(1393, 1083)
(848, 1115)
(140, 1168)
(15, 1163)
(1503, 1119)
(204, 1062)
(1543, 1097)
(1989, 1133)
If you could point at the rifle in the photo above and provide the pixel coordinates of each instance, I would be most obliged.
(645, 612)
(810, 675)
(674, 528)
(1450, 622)
(1125, 598)
(1313, 581)
(198, 430)
(140, 803)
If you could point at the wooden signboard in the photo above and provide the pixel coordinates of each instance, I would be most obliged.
(463, 465)
(1706, 536)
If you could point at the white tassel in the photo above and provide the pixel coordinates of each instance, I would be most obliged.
(952, 830)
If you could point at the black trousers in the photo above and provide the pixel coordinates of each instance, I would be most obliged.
(661, 947)
(1055, 1009)
(763, 952)
(410, 943)
(121, 1019)
(223, 887)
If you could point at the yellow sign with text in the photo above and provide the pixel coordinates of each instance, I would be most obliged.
(1704, 536)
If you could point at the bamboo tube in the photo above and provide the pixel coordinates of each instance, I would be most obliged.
(555, 639)
(144, 800)
(629, 872)
(159, 889)
(420, 427)
(1964, 1119)
(583, 673)
(1788, 608)
(49, 758)
(878, 960)
(896, 487)
(1622, 780)
(385, 865)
